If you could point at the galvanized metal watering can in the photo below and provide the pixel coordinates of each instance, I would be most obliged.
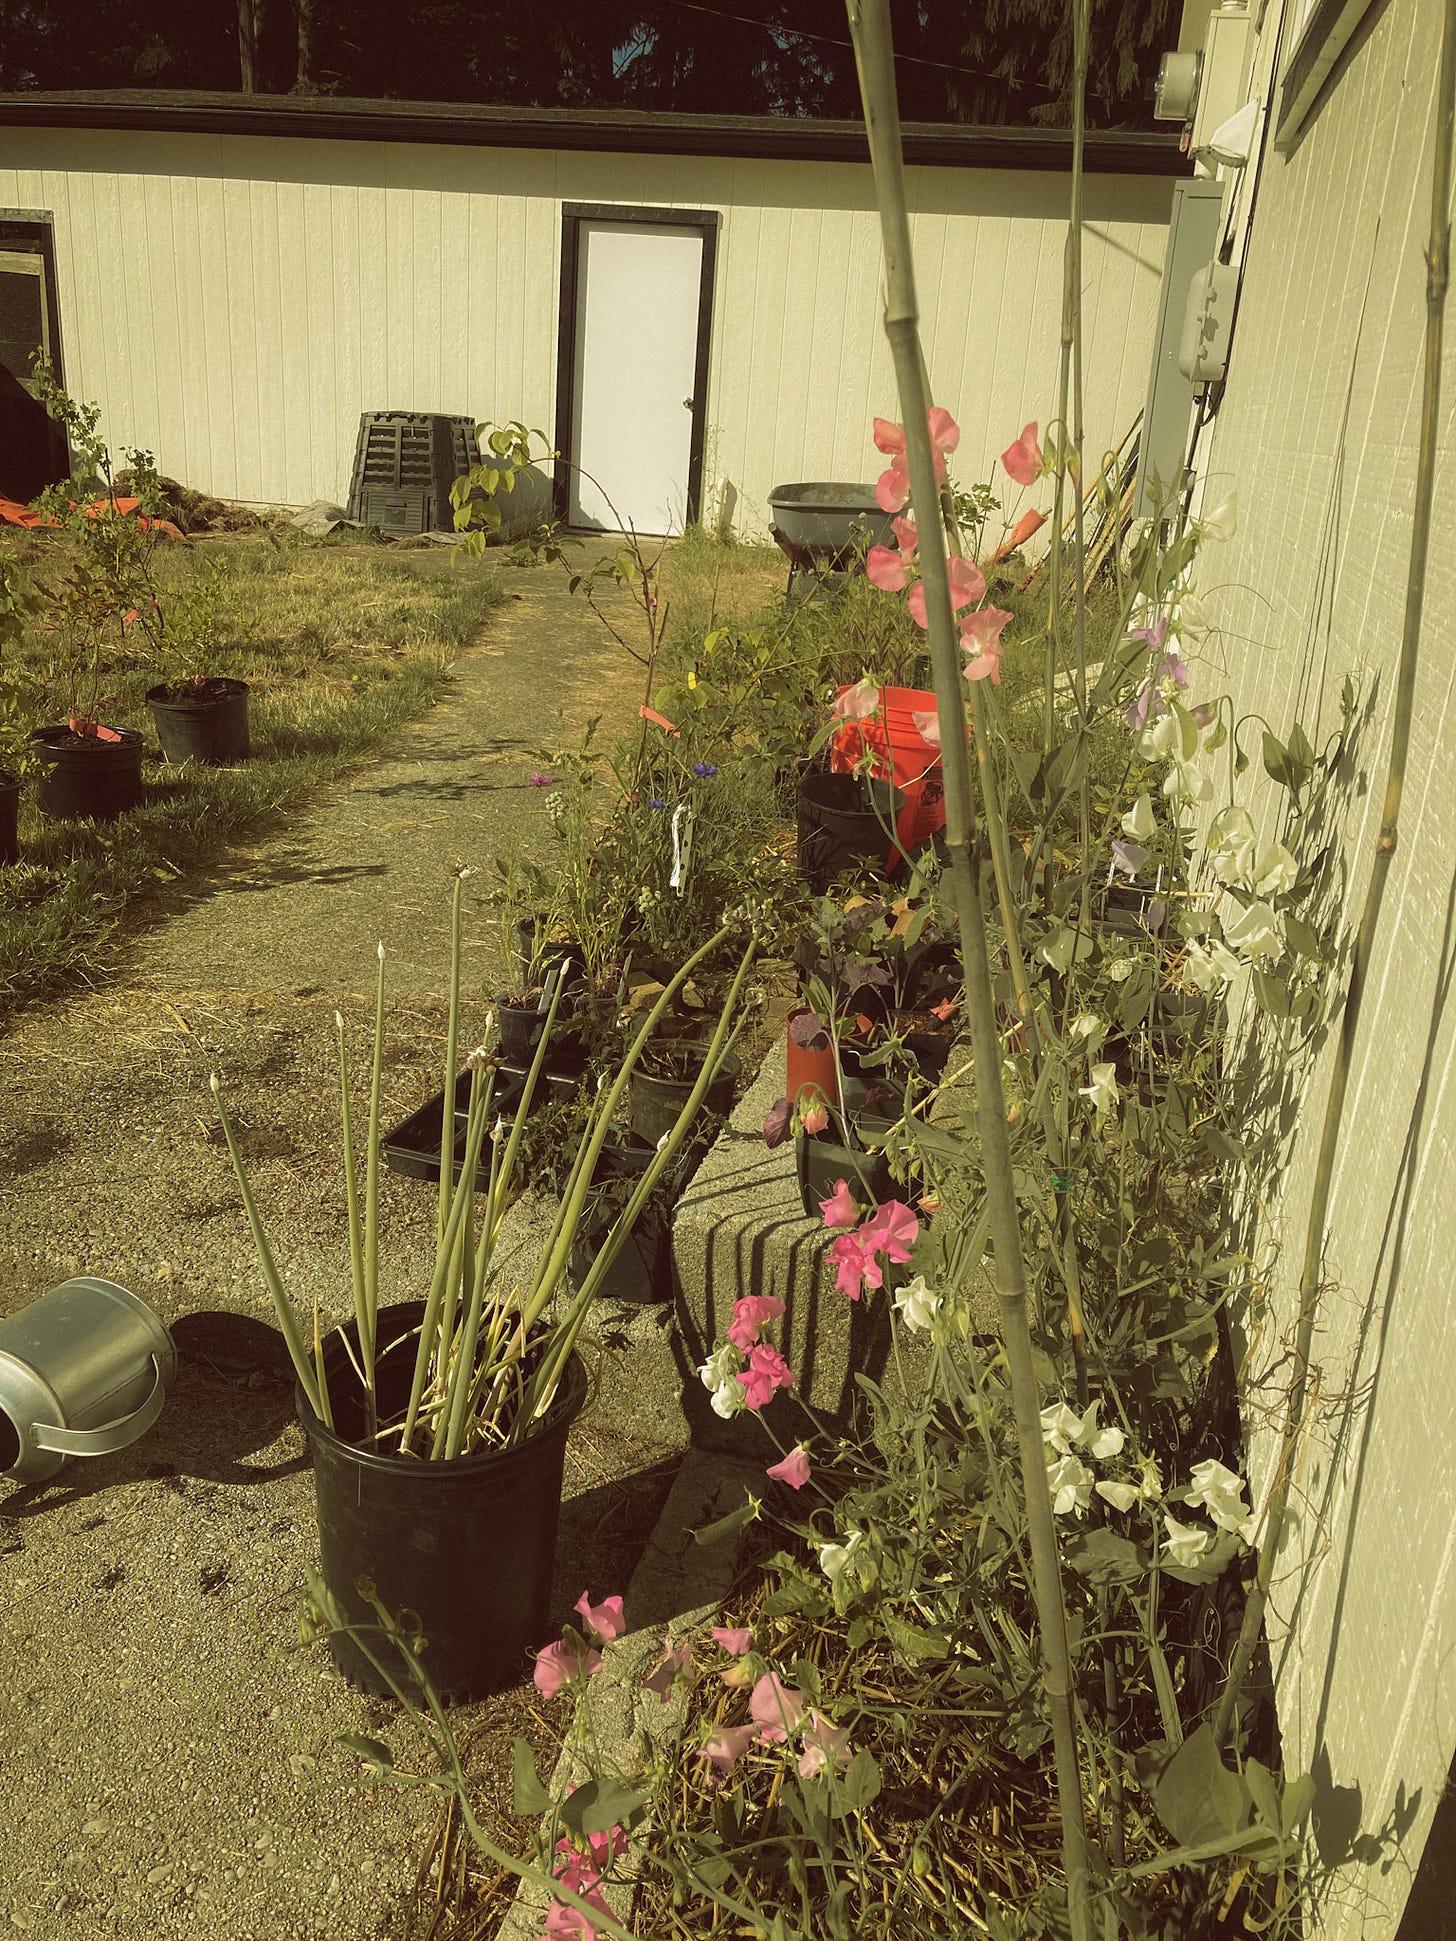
(84, 1371)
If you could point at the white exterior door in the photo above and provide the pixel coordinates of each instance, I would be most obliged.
(636, 356)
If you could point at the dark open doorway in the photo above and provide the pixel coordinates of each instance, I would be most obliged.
(33, 451)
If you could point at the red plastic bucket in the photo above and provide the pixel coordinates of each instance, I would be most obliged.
(915, 767)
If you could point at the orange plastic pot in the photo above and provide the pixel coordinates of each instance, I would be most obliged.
(814, 1071)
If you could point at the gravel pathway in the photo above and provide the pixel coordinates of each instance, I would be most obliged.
(166, 1748)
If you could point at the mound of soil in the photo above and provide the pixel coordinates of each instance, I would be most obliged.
(199, 511)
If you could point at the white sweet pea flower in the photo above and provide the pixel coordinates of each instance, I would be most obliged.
(1070, 1482)
(1200, 968)
(1138, 822)
(1193, 617)
(1121, 1496)
(1185, 783)
(835, 1555)
(1150, 1488)
(1099, 1442)
(1230, 847)
(720, 1365)
(1103, 1089)
(1222, 522)
(1186, 1543)
(728, 1398)
(1060, 1427)
(1120, 969)
(916, 1305)
(1256, 931)
(1274, 871)
(1219, 1491)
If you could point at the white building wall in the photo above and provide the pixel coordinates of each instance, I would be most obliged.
(1318, 431)
(235, 302)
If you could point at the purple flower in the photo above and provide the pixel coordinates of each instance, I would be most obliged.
(1129, 856)
(539, 779)
(656, 802)
(704, 769)
(1150, 703)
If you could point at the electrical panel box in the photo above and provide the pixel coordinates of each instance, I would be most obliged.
(1223, 75)
(1207, 320)
(1193, 231)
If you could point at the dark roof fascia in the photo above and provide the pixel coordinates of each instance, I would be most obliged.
(334, 118)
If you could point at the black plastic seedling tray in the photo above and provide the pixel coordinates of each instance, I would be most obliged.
(413, 1147)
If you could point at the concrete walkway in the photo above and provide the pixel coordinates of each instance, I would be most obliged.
(169, 1757)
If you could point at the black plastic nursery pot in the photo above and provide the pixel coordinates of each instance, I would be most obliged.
(822, 1162)
(9, 817)
(655, 1101)
(845, 822)
(539, 957)
(642, 1271)
(85, 775)
(203, 722)
(460, 1552)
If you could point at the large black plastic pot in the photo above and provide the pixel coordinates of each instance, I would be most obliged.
(82, 775)
(205, 723)
(845, 822)
(9, 817)
(461, 1551)
(655, 1099)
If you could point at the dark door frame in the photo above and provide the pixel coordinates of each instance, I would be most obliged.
(573, 215)
(35, 229)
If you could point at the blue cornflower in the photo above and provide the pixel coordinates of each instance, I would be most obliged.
(656, 803)
(703, 769)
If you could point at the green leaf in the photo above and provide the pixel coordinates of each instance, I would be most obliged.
(374, 1750)
(1298, 1799)
(860, 1785)
(1105, 1557)
(1264, 1788)
(600, 1804)
(1253, 1840)
(1272, 993)
(531, 1797)
(1301, 937)
(913, 1642)
(739, 1519)
(1198, 1798)
(1136, 997)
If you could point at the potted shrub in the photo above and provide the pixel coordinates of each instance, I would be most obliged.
(438, 1425)
(18, 603)
(200, 713)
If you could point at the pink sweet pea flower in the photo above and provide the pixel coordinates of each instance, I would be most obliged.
(856, 703)
(945, 433)
(565, 1923)
(664, 1676)
(927, 725)
(967, 583)
(728, 1745)
(604, 1619)
(981, 631)
(776, 1707)
(905, 535)
(794, 1469)
(891, 1230)
(855, 1265)
(887, 569)
(889, 438)
(766, 1373)
(735, 1639)
(575, 1870)
(558, 1666)
(892, 488)
(839, 1209)
(822, 1742)
(1023, 460)
(750, 1316)
(813, 1118)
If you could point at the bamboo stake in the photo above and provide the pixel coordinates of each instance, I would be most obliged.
(1438, 261)
(870, 29)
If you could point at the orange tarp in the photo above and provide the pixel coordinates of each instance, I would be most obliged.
(15, 514)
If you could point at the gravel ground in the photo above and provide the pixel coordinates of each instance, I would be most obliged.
(166, 1748)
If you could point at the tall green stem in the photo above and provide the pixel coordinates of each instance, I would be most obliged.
(870, 28)
(1438, 261)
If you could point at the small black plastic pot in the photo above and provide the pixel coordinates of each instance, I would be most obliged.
(822, 1161)
(9, 817)
(519, 1029)
(461, 1552)
(205, 721)
(642, 1271)
(85, 776)
(845, 822)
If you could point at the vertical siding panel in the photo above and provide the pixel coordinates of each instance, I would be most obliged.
(294, 350)
(267, 334)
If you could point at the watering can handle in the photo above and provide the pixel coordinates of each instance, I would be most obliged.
(112, 1435)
